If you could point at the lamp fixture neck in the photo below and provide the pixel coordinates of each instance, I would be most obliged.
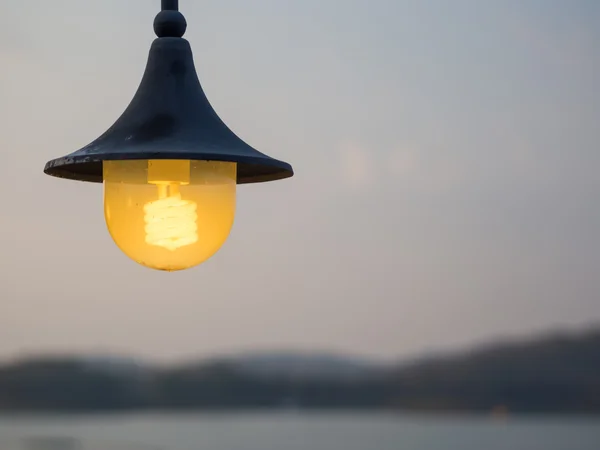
(170, 22)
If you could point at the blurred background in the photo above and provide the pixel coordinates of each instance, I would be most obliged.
(427, 280)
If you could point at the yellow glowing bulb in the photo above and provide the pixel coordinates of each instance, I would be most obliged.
(170, 220)
(169, 214)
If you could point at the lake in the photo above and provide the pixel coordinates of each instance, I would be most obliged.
(302, 431)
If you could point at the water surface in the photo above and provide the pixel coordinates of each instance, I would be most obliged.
(318, 431)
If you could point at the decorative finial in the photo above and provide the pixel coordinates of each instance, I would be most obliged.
(170, 22)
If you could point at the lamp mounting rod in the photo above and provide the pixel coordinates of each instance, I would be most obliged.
(170, 5)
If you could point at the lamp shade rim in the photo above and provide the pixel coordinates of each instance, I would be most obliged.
(250, 169)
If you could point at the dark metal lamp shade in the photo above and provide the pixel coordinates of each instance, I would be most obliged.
(169, 118)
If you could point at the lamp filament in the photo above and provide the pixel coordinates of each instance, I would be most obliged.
(170, 221)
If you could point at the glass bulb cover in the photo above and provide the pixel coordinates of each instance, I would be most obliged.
(169, 214)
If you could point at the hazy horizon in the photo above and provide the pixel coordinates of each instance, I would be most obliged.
(446, 187)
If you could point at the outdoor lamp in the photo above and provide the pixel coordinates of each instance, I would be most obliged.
(169, 165)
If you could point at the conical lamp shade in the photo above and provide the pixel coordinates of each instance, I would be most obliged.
(169, 118)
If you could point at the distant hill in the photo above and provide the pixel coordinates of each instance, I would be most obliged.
(303, 365)
(554, 373)
(551, 373)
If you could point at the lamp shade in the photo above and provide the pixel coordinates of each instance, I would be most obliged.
(169, 118)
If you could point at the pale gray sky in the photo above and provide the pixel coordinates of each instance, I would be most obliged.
(446, 189)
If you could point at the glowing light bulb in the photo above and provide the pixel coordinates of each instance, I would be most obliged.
(169, 214)
(170, 221)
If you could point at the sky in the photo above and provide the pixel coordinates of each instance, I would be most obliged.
(446, 177)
